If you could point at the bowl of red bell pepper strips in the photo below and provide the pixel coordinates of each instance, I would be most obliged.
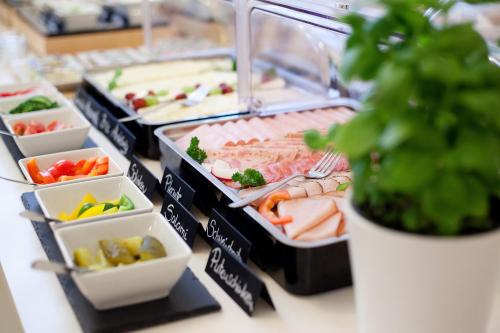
(69, 167)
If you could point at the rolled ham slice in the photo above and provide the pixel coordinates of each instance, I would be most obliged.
(306, 213)
(327, 228)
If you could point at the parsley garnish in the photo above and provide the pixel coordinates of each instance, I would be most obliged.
(249, 178)
(196, 153)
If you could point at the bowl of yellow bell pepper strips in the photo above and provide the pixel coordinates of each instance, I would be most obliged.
(69, 167)
(92, 200)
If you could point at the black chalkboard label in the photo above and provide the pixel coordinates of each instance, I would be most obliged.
(104, 121)
(181, 219)
(177, 188)
(142, 177)
(236, 279)
(219, 230)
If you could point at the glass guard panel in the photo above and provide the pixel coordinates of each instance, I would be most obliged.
(293, 62)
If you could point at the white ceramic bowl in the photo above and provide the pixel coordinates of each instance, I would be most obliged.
(131, 284)
(51, 142)
(65, 198)
(45, 161)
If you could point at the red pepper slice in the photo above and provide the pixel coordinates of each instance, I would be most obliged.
(39, 177)
(87, 167)
(101, 167)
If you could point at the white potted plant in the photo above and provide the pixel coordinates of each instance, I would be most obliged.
(425, 153)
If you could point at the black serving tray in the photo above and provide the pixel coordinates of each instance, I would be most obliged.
(147, 143)
(300, 268)
(188, 298)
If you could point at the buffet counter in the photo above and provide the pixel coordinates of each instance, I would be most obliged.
(43, 307)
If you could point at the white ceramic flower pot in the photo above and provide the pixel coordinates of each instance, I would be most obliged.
(406, 283)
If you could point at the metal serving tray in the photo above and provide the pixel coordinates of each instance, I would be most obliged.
(299, 267)
(147, 142)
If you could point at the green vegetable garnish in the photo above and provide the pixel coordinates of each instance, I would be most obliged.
(188, 90)
(196, 153)
(162, 93)
(113, 84)
(249, 178)
(36, 103)
(343, 187)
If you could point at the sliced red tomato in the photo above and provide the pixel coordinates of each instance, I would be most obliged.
(54, 125)
(19, 128)
(34, 128)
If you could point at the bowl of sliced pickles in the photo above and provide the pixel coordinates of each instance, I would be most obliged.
(127, 260)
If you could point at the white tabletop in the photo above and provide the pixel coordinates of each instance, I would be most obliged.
(42, 305)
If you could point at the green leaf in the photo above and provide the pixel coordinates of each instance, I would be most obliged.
(342, 187)
(359, 136)
(402, 172)
(445, 202)
(396, 133)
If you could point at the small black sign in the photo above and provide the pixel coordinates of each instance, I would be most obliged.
(105, 122)
(181, 219)
(177, 188)
(142, 177)
(236, 279)
(219, 230)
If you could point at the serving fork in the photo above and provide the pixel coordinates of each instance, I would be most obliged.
(322, 169)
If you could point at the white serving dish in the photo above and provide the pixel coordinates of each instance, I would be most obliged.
(45, 161)
(39, 88)
(51, 142)
(131, 284)
(56, 199)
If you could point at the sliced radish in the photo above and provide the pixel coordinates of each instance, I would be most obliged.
(224, 173)
(220, 164)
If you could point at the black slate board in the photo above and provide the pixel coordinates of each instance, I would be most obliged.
(16, 153)
(188, 298)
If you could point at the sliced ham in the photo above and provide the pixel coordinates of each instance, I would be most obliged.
(269, 130)
(327, 228)
(201, 132)
(306, 213)
(234, 135)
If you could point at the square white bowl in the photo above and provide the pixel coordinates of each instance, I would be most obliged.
(65, 198)
(7, 104)
(51, 142)
(45, 161)
(129, 284)
(37, 87)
